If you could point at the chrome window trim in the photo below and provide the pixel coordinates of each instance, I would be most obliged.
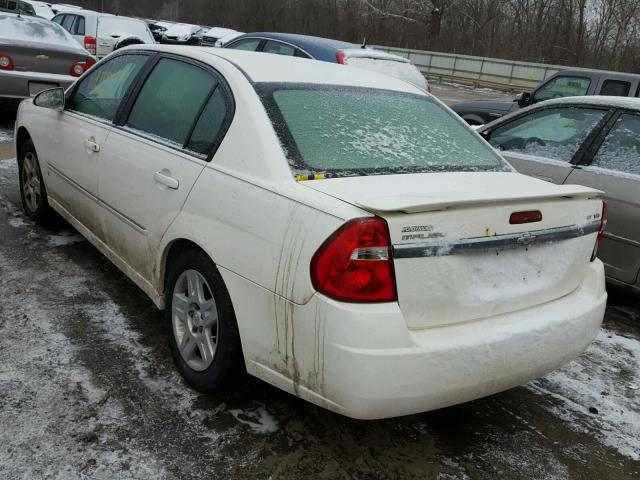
(441, 248)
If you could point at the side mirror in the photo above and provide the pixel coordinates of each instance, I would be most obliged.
(524, 99)
(52, 98)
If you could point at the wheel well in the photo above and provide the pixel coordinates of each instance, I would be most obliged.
(21, 137)
(176, 247)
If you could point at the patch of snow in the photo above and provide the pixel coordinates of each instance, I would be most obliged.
(602, 378)
(64, 237)
(258, 419)
(6, 136)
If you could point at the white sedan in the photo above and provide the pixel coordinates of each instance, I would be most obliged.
(337, 233)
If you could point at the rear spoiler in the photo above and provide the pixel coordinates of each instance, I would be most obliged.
(417, 204)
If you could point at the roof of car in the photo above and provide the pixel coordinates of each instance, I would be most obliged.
(320, 48)
(594, 72)
(262, 67)
(631, 103)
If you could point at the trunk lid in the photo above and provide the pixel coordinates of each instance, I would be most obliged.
(458, 258)
(43, 58)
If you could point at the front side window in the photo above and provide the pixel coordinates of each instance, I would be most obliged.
(550, 133)
(57, 19)
(621, 149)
(249, 44)
(99, 94)
(343, 131)
(278, 48)
(562, 87)
(171, 100)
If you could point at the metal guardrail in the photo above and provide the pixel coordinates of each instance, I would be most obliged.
(477, 71)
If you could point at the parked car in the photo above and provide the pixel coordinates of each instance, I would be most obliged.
(42, 9)
(212, 37)
(333, 51)
(36, 55)
(227, 38)
(566, 83)
(591, 141)
(102, 33)
(183, 34)
(17, 6)
(365, 250)
(156, 29)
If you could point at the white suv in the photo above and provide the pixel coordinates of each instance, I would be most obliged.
(102, 33)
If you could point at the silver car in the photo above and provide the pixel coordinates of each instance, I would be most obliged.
(35, 55)
(591, 141)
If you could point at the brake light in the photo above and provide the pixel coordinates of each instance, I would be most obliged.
(355, 263)
(6, 62)
(89, 63)
(90, 44)
(531, 216)
(603, 226)
(341, 58)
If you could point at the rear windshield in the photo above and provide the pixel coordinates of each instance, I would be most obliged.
(28, 30)
(342, 131)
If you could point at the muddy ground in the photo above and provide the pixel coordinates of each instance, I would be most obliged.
(88, 390)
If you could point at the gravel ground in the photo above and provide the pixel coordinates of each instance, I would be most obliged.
(88, 390)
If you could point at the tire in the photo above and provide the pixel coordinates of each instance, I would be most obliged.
(33, 192)
(206, 350)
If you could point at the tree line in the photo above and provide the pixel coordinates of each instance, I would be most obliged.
(584, 33)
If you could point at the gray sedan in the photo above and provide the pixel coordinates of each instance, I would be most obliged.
(591, 141)
(35, 55)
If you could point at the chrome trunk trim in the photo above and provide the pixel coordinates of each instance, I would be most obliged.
(440, 248)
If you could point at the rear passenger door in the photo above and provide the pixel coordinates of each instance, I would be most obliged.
(614, 167)
(153, 157)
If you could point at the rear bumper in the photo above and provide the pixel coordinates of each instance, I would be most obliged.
(368, 365)
(18, 85)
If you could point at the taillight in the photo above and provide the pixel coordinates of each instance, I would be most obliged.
(90, 44)
(355, 263)
(77, 69)
(6, 63)
(601, 230)
(341, 58)
(531, 216)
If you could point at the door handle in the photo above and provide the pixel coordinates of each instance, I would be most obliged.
(163, 177)
(91, 145)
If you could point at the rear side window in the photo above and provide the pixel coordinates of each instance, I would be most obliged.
(100, 93)
(621, 149)
(278, 48)
(171, 100)
(563, 87)
(342, 131)
(615, 88)
(67, 22)
(250, 44)
(207, 129)
(78, 26)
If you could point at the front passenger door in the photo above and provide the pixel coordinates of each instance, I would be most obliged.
(547, 142)
(73, 156)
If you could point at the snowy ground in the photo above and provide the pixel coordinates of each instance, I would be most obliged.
(88, 390)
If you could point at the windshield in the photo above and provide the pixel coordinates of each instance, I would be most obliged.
(345, 131)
